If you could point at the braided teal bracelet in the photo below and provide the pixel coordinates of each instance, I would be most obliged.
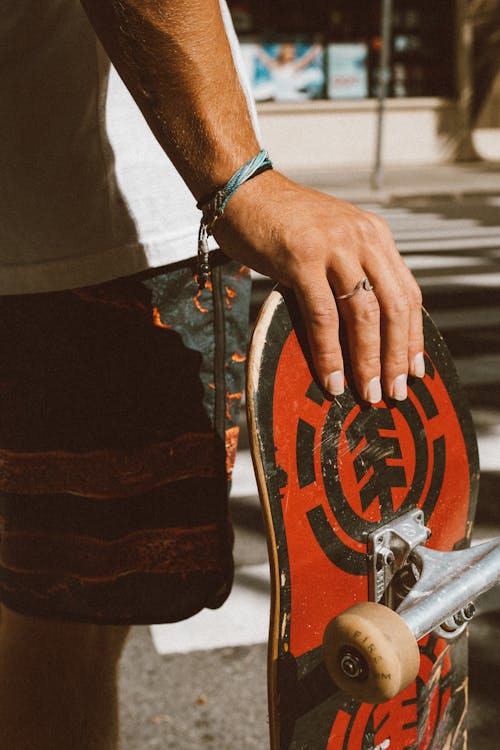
(214, 206)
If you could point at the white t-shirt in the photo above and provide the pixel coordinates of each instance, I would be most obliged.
(86, 192)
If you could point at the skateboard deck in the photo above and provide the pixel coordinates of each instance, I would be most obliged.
(330, 473)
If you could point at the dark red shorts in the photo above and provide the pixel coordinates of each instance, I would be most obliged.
(118, 429)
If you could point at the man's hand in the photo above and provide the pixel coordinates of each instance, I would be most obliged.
(320, 246)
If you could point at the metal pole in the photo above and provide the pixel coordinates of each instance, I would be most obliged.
(383, 79)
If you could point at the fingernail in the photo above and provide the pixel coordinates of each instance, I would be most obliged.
(419, 365)
(335, 383)
(374, 391)
(399, 389)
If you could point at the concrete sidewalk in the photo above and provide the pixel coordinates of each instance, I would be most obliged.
(403, 183)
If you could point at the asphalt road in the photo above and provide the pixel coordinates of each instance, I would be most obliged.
(216, 697)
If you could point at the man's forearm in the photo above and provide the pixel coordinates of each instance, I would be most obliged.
(175, 58)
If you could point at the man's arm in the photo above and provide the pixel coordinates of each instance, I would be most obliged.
(175, 58)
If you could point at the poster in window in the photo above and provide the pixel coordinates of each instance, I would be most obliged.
(347, 71)
(290, 71)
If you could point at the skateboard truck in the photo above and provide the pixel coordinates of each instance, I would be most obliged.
(371, 650)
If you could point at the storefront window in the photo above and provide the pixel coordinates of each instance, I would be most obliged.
(298, 49)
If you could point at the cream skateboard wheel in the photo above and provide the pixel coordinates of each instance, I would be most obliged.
(370, 652)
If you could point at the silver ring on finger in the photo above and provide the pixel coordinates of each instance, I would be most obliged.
(362, 284)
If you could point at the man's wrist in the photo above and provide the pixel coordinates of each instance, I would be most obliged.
(213, 206)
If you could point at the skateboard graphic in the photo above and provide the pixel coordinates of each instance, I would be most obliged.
(368, 510)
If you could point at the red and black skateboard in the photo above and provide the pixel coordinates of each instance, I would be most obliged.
(368, 511)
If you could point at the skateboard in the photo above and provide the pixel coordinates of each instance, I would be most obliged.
(368, 513)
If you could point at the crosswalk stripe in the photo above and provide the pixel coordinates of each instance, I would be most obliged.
(469, 280)
(243, 620)
(431, 262)
(243, 480)
(475, 234)
(427, 220)
(462, 243)
(480, 369)
(470, 317)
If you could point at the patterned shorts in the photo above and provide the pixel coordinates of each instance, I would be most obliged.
(118, 430)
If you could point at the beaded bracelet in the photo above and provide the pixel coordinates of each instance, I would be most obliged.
(214, 205)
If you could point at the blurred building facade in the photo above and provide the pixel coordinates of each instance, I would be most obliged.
(485, 104)
(313, 66)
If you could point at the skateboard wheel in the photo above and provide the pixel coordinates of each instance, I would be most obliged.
(370, 652)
